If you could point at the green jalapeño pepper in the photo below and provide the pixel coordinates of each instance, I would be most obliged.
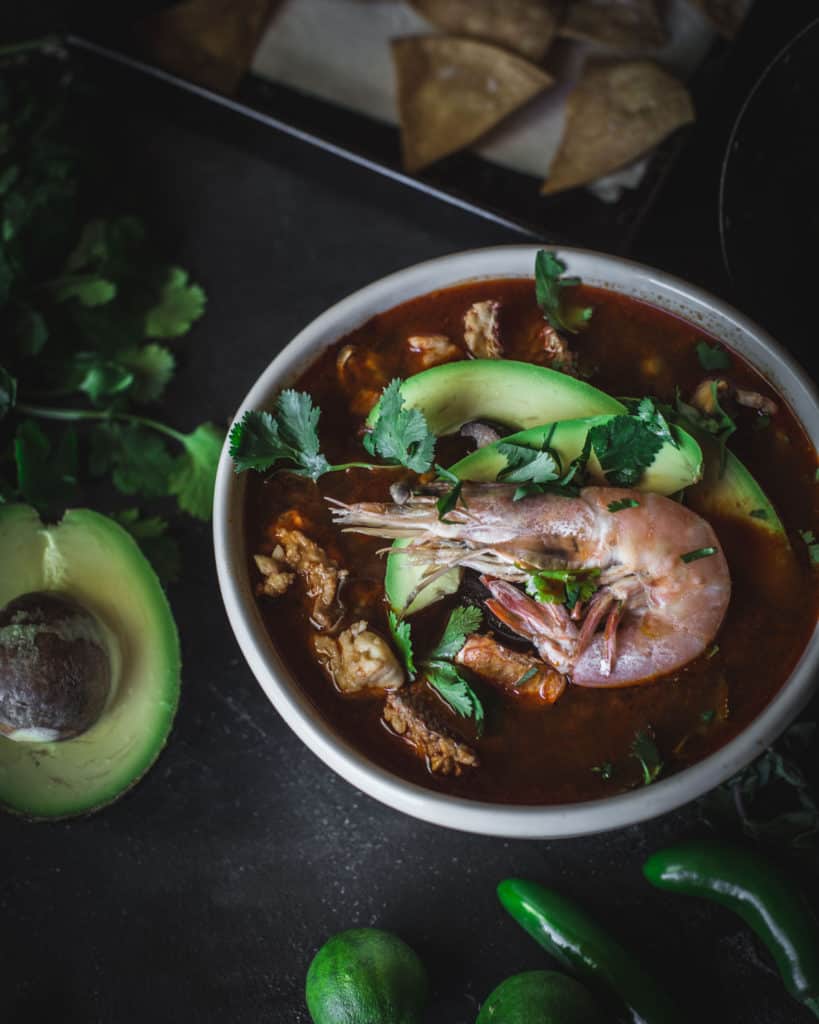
(580, 945)
(770, 903)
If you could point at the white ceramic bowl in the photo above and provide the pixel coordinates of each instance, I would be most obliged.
(544, 822)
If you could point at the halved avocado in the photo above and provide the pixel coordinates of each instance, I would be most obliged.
(514, 394)
(672, 470)
(91, 559)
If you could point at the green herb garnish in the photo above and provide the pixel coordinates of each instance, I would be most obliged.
(708, 716)
(402, 638)
(448, 501)
(719, 423)
(624, 503)
(530, 673)
(712, 357)
(604, 770)
(550, 289)
(644, 749)
(813, 548)
(443, 677)
(693, 556)
(463, 621)
(563, 586)
(401, 435)
(712, 650)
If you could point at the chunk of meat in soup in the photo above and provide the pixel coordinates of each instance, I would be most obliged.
(522, 676)
(556, 350)
(407, 712)
(276, 579)
(482, 330)
(433, 349)
(322, 576)
(359, 660)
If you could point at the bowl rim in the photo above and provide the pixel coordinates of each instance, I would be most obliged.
(507, 820)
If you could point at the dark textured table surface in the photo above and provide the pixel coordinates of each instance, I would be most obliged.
(202, 895)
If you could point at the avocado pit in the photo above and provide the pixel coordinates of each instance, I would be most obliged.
(55, 669)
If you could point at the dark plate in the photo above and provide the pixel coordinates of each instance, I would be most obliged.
(769, 192)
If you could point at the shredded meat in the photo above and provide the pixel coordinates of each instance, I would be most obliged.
(359, 660)
(558, 354)
(753, 400)
(434, 348)
(703, 397)
(276, 578)
(361, 375)
(481, 332)
(407, 714)
(522, 675)
(322, 577)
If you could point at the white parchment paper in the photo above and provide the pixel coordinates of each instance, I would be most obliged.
(338, 50)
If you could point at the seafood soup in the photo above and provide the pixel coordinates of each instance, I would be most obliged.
(532, 542)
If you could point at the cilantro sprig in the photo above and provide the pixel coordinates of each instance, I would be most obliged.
(563, 586)
(87, 310)
(550, 290)
(644, 749)
(287, 438)
(437, 666)
(712, 357)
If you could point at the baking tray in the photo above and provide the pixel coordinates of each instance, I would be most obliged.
(465, 180)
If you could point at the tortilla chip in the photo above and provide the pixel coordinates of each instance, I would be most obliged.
(525, 26)
(452, 91)
(625, 24)
(211, 42)
(725, 15)
(616, 113)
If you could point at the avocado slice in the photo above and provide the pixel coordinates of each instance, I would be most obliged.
(515, 394)
(91, 559)
(672, 470)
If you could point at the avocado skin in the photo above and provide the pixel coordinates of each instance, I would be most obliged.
(93, 560)
(540, 997)
(55, 673)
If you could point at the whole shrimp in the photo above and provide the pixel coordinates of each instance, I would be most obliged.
(658, 610)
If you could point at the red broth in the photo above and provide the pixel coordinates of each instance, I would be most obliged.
(548, 755)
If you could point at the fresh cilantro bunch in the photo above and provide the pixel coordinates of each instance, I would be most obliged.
(550, 291)
(437, 667)
(87, 316)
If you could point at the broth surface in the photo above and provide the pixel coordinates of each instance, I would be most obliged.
(547, 755)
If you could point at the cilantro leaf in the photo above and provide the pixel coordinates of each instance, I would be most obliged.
(194, 474)
(648, 413)
(462, 622)
(151, 368)
(549, 287)
(456, 691)
(29, 332)
(527, 465)
(401, 435)
(530, 673)
(624, 503)
(563, 586)
(813, 548)
(449, 500)
(180, 304)
(712, 357)
(88, 289)
(8, 392)
(604, 770)
(625, 447)
(138, 460)
(261, 439)
(402, 638)
(46, 475)
(151, 534)
(718, 423)
(644, 749)
(102, 378)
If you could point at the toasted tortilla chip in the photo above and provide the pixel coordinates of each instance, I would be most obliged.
(725, 15)
(211, 42)
(452, 91)
(616, 113)
(525, 26)
(624, 24)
